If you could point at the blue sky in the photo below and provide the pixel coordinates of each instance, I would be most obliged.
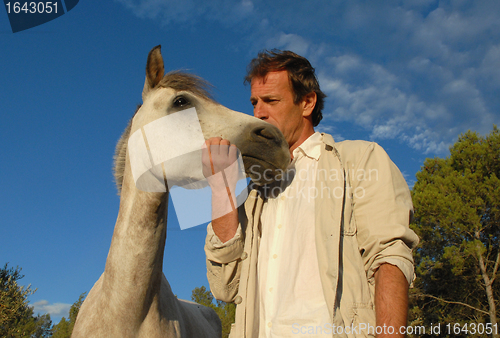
(411, 75)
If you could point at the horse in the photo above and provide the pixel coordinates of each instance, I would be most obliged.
(132, 297)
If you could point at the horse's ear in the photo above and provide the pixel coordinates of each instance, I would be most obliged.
(154, 70)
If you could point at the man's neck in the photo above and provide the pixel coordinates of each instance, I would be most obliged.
(306, 133)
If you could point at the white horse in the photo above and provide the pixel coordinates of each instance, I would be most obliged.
(132, 298)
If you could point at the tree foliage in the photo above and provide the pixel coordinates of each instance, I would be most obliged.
(457, 217)
(16, 316)
(65, 327)
(225, 311)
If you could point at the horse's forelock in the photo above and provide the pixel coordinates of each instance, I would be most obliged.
(180, 81)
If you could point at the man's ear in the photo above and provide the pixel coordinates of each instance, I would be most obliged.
(308, 103)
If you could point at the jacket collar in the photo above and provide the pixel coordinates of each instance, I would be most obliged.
(328, 140)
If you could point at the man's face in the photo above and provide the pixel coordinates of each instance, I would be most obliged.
(272, 100)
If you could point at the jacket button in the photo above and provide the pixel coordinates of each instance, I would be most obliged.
(244, 256)
(238, 300)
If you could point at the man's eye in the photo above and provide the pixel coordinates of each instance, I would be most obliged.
(180, 101)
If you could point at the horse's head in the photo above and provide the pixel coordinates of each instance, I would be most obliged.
(263, 147)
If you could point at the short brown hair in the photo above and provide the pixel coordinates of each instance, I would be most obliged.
(300, 74)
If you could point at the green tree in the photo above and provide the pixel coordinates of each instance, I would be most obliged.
(457, 217)
(16, 317)
(65, 327)
(43, 326)
(225, 311)
(62, 330)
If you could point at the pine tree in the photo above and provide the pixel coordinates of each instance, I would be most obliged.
(457, 217)
(16, 317)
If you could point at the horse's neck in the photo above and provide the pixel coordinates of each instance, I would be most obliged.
(135, 259)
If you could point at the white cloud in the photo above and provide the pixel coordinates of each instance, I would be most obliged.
(292, 42)
(377, 101)
(433, 86)
(55, 310)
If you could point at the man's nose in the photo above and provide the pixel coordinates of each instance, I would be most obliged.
(259, 111)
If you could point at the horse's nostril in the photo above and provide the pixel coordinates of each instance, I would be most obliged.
(264, 132)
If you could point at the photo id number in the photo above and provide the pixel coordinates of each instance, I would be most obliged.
(32, 7)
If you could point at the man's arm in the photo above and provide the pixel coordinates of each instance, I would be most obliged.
(391, 299)
(221, 169)
(223, 268)
(225, 226)
(384, 237)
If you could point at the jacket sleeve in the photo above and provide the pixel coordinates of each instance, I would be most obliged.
(223, 264)
(382, 209)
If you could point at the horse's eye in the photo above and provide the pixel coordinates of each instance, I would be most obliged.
(180, 101)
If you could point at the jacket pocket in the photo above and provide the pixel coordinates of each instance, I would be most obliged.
(348, 219)
(349, 224)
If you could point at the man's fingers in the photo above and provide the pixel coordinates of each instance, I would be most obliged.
(219, 155)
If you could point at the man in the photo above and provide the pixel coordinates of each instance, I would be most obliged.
(329, 253)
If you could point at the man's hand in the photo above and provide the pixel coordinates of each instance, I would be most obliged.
(220, 167)
(219, 156)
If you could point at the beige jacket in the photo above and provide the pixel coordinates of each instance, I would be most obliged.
(363, 210)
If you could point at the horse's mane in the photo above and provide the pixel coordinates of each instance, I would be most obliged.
(176, 80)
